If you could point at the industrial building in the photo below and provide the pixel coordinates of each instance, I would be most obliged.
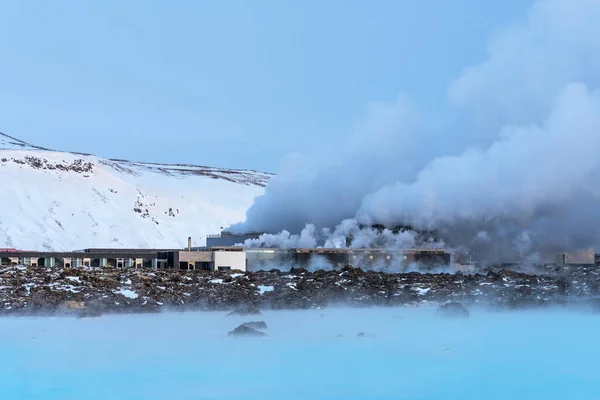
(206, 259)
(219, 258)
(229, 239)
(582, 257)
(265, 258)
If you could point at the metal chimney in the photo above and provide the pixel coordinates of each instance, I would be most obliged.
(189, 244)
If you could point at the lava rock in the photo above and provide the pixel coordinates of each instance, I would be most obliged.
(49, 291)
(73, 305)
(245, 331)
(453, 310)
(258, 325)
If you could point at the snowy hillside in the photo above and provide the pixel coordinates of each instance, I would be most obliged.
(53, 200)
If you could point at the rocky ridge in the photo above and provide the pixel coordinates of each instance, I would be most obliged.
(31, 290)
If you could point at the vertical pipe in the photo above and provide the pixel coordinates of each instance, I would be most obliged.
(189, 244)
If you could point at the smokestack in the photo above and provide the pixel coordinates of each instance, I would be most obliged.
(189, 244)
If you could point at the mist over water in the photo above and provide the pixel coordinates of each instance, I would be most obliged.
(412, 354)
(509, 168)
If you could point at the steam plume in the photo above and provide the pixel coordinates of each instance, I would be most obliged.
(516, 168)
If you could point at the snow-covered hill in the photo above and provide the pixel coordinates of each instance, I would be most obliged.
(53, 200)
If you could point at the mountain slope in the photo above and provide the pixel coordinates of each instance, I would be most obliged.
(53, 200)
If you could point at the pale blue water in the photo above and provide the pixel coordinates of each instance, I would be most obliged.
(526, 355)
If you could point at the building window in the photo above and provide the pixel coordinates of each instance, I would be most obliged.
(388, 257)
(224, 268)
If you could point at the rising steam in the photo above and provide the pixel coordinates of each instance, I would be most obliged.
(516, 168)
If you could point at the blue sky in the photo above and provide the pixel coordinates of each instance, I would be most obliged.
(227, 83)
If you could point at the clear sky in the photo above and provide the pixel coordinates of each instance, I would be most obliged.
(227, 83)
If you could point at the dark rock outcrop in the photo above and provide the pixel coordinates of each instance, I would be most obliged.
(245, 331)
(258, 325)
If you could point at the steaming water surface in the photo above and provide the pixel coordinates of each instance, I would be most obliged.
(524, 355)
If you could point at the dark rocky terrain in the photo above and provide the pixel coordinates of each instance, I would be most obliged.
(89, 293)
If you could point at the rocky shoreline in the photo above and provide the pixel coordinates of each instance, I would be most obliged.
(93, 292)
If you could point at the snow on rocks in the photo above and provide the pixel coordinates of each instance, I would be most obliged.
(114, 202)
(35, 290)
(264, 289)
(130, 294)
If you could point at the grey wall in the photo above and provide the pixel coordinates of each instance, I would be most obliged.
(228, 240)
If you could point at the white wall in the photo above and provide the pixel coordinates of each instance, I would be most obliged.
(233, 259)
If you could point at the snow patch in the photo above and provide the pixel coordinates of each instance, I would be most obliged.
(263, 289)
(422, 291)
(130, 294)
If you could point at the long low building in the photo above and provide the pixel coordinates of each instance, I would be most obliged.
(205, 259)
(230, 258)
(264, 258)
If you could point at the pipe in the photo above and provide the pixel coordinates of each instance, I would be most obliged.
(189, 244)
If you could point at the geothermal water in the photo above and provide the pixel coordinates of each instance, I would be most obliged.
(407, 354)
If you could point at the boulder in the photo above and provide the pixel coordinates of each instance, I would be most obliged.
(258, 325)
(245, 331)
(453, 310)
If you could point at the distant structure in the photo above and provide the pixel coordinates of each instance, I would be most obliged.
(265, 258)
(226, 238)
(222, 258)
(584, 257)
(229, 239)
(209, 259)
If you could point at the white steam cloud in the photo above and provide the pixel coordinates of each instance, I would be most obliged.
(516, 170)
(362, 237)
